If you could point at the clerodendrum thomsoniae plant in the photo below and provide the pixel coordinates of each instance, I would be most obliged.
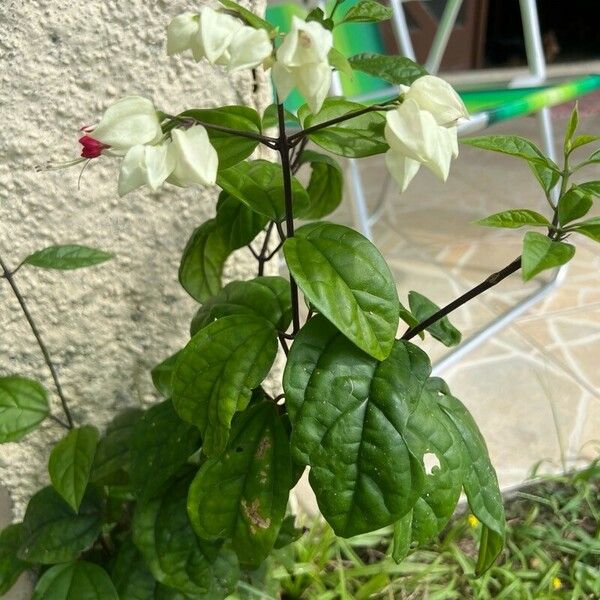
(189, 497)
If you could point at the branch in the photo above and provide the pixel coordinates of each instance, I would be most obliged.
(491, 281)
(8, 275)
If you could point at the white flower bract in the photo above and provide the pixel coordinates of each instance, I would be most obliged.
(196, 160)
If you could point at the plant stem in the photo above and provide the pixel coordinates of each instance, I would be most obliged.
(284, 151)
(491, 281)
(264, 257)
(8, 275)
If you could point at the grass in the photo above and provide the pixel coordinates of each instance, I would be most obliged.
(552, 552)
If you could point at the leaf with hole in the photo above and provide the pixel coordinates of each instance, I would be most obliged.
(345, 277)
(266, 297)
(79, 580)
(515, 218)
(325, 186)
(398, 70)
(242, 495)
(541, 253)
(11, 566)
(442, 330)
(67, 257)
(23, 406)
(217, 371)
(53, 532)
(70, 464)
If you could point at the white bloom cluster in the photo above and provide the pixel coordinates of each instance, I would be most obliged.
(422, 130)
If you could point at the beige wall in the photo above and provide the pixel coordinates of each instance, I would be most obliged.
(61, 63)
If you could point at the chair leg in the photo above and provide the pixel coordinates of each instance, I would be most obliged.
(359, 201)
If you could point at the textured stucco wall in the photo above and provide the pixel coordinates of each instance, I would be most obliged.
(61, 63)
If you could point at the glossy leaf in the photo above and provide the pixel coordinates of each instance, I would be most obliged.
(367, 11)
(11, 566)
(590, 187)
(583, 140)
(203, 260)
(349, 427)
(266, 297)
(70, 464)
(242, 495)
(357, 137)
(130, 575)
(23, 406)
(574, 204)
(112, 453)
(71, 256)
(442, 330)
(345, 277)
(402, 538)
(398, 70)
(547, 177)
(271, 119)
(239, 224)
(590, 228)
(161, 444)
(259, 185)
(217, 371)
(175, 556)
(53, 532)
(515, 218)
(230, 148)
(75, 581)
(541, 253)
(249, 17)
(325, 186)
(162, 374)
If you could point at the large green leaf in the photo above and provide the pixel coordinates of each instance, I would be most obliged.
(398, 70)
(325, 186)
(231, 149)
(515, 218)
(202, 262)
(131, 576)
(70, 464)
(160, 445)
(574, 204)
(239, 224)
(71, 256)
(242, 495)
(176, 557)
(354, 138)
(350, 429)
(589, 228)
(367, 11)
(480, 482)
(11, 566)
(23, 406)
(259, 185)
(162, 374)
(541, 253)
(75, 581)
(266, 297)
(112, 453)
(217, 371)
(345, 277)
(442, 330)
(53, 532)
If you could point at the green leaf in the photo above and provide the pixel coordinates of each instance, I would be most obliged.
(541, 253)
(590, 187)
(594, 157)
(583, 140)
(271, 119)
(53, 532)
(112, 452)
(217, 371)
(574, 204)
(160, 445)
(131, 576)
(243, 494)
(397, 70)
(589, 228)
(11, 566)
(515, 218)
(203, 260)
(288, 533)
(513, 145)
(75, 581)
(239, 224)
(367, 11)
(249, 17)
(71, 256)
(570, 129)
(70, 464)
(480, 482)
(230, 148)
(349, 427)
(345, 277)
(317, 14)
(23, 406)
(266, 297)
(546, 176)
(442, 330)
(175, 556)
(339, 62)
(354, 138)
(325, 186)
(259, 185)
(162, 374)
(402, 538)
